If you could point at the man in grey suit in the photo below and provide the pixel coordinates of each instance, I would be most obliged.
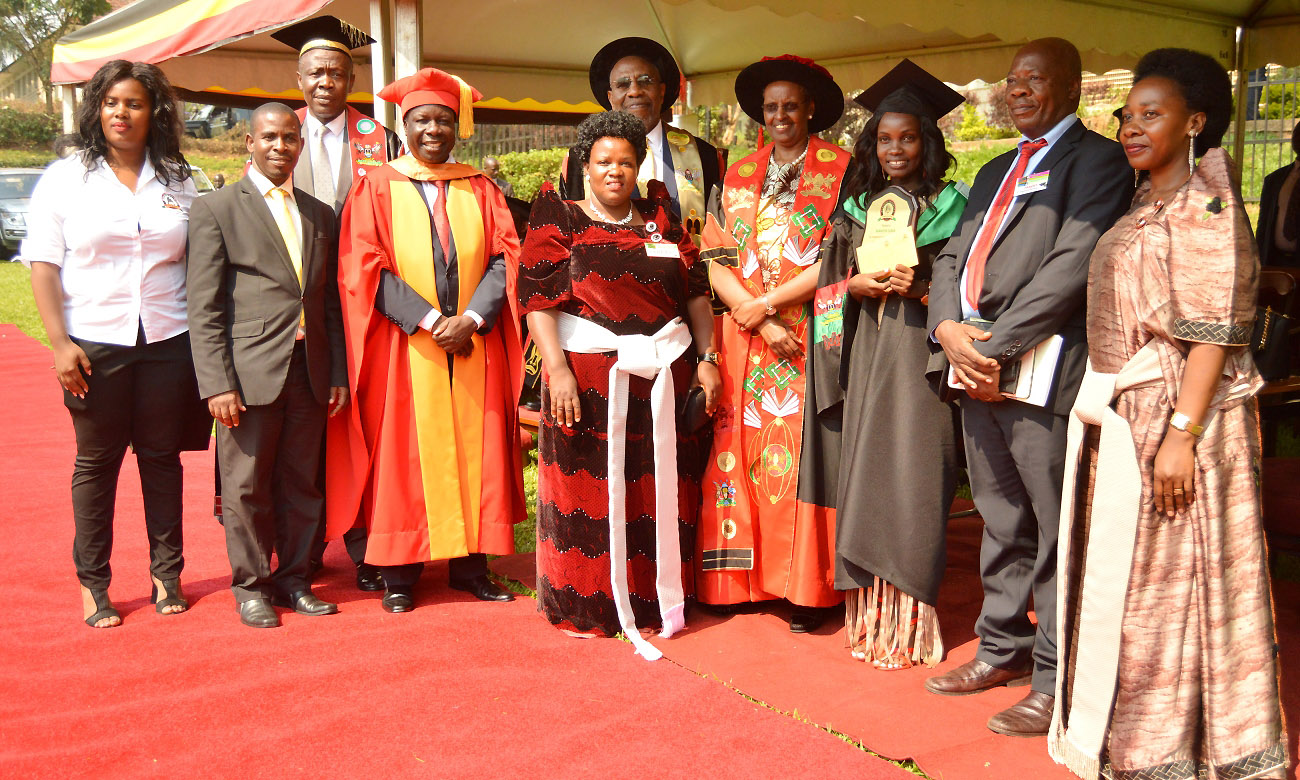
(1018, 268)
(267, 336)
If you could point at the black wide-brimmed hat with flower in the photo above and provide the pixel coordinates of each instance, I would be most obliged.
(828, 98)
(648, 50)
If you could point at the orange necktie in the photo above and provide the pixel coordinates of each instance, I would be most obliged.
(979, 254)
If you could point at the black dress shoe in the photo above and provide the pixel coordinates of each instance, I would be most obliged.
(304, 602)
(721, 610)
(397, 601)
(483, 589)
(369, 579)
(806, 619)
(258, 614)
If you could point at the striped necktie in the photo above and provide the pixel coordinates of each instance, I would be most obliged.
(322, 173)
(979, 254)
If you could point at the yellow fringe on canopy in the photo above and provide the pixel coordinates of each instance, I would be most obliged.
(886, 626)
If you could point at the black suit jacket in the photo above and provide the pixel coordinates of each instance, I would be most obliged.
(404, 307)
(1036, 276)
(1269, 207)
(245, 299)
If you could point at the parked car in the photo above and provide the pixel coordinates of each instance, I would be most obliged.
(16, 185)
(201, 181)
(209, 121)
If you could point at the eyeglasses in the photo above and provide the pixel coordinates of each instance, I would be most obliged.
(644, 81)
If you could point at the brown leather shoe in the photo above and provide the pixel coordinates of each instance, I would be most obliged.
(975, 676)
(1030, 717)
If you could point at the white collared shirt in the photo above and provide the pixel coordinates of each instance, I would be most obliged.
(653, 167)
(120, 253)
(264, 186)
(1036, 159)
(336, 132)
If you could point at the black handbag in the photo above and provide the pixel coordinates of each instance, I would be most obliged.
(1270, 343)
(692, 416)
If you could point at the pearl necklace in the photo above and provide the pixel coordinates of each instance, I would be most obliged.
(599, 213)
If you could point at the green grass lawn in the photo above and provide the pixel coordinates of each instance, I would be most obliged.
(16, 303)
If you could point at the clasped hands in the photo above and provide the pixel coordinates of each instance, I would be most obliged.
(454, 335)
(752, 315)
(980, 375)
(898, 281)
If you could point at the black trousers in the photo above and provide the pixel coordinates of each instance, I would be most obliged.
(139, 395)
(270, 497)
(458, 570)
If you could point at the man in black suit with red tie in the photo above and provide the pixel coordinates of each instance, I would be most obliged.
(1020, 261)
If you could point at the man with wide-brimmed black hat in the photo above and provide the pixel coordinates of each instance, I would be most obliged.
(640, 76)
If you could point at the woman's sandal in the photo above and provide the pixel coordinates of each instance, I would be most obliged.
(172, 590)
(893, 663)
(103, 609)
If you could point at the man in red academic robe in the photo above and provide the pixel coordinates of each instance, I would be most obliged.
(427, 262)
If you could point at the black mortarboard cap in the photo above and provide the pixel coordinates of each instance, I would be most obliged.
(322, 32)
(910, 89)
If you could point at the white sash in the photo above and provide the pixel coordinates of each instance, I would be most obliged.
(1116, 507)
(648, 357)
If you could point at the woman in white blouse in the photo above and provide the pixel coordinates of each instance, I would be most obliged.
(106, 247)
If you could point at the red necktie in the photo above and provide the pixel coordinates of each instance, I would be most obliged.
(979, 254)
(440, 221)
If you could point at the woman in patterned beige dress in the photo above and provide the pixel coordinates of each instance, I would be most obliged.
(1168, 662)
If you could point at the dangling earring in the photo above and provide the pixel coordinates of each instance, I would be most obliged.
(1191, 153)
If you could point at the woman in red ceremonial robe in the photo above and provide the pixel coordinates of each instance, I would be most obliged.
(429, 453)
(618, 303)
(757, 541)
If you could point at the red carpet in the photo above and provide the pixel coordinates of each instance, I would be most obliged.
(455, 689)
(889, 712)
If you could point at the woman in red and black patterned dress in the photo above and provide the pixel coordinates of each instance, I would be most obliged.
(594, 273)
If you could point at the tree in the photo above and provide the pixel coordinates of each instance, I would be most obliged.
(31, 28)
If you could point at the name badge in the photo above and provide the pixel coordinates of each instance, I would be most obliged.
(657, 249)
(1032, 183)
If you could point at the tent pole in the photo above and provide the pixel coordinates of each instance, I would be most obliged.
(407, 36)
(66, 93)
(381, 59)
(1243, 78)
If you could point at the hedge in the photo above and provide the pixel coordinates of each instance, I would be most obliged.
(527, 170)
(28, 128)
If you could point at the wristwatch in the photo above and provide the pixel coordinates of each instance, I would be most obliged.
(770, 308)
(1181, 422)
(709, 357)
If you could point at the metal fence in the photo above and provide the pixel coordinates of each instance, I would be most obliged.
(1272, 110)
(493, 140)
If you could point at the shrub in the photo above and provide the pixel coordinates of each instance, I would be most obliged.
(974, 128)
(527, 170)
(1282, 103)
(28, 128)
